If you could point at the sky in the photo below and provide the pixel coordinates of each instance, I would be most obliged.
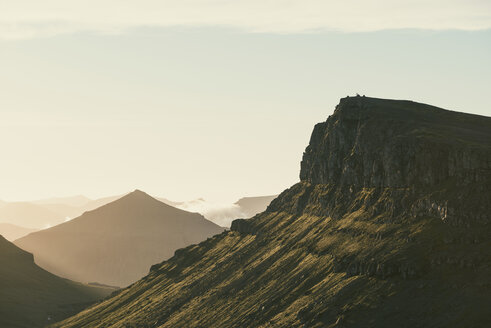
(214, 99)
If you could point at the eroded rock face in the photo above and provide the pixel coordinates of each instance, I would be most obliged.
(371, 142)
(241, 226)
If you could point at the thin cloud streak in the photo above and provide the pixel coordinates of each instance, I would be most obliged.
(28, 19)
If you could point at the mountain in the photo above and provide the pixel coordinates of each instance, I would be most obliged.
(45, 213)
(117, 243)
(388, 227)
(32, 297)
(75, 201)
(12, 232)
(251, 206)
(29, 215)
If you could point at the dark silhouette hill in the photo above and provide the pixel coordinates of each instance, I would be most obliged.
(117, 243)
(32, 297)
(390, 226)
(12, 232)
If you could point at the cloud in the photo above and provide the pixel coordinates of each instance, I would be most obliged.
(220, 213)
(30, 18)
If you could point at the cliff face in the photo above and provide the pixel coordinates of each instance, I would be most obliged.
(437, 159)
(388, 227)
(370, 142)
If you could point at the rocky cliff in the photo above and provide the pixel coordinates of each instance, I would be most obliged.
(370, 142)
(388, 227)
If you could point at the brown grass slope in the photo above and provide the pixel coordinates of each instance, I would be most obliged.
(32, 297)
(117, 243)
(389, 227)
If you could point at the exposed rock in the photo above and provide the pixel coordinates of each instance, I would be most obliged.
(242, 226)
(371, 142)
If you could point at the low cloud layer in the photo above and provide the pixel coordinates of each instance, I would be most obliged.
(220, 213)
(27, 18)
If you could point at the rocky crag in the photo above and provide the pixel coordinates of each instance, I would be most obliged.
(389, 226)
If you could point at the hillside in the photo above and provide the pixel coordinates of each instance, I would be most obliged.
(117, 243)
(388, 227)
(31, 297)
(12, 232)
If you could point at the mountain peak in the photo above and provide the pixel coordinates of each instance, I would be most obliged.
(136, 195)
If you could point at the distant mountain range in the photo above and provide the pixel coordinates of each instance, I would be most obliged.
(29, 215)
(75, 201)
(117, 243)
(12, 232)
(32, 297)
(46, 213)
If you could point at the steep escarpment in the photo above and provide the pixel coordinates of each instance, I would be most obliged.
(389, 226)
(370, 142)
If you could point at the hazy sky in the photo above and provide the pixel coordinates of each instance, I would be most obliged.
(214, 99)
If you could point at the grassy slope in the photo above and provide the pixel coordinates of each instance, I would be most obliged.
(289, 276)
